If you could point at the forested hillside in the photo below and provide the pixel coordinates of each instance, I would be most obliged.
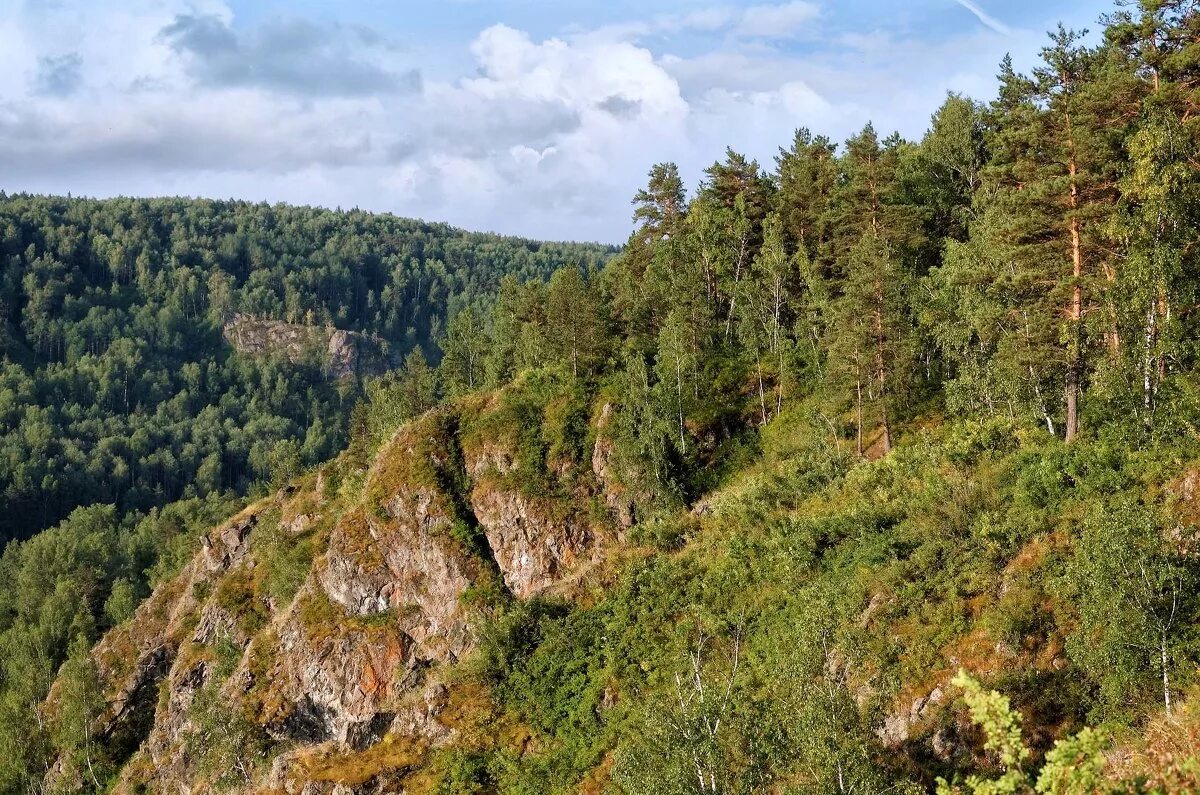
(874, 470)
(116, 385)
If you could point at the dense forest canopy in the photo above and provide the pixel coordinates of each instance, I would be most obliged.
(1016, 293)
(115, 384)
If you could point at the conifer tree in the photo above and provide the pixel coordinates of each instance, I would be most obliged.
(1039, 253)
(501, 362)
(575, 322)
(870, 199)
(870, 343)
(660, 206)
(1160, 190)
(807, 174)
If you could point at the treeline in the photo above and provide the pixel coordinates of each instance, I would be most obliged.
(115, 384)
(1035, 257)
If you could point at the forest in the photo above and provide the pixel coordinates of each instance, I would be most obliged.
(881, 409)
(116, 385)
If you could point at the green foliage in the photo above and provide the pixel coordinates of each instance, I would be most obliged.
(226, 747)
(57, 591)
(1136, 591)
(1074, 766)
(115, 383)
(888, 409)
(283, 560)
(121, 602)
(576, 326)
(1001, 726)
(80, 702)
(466, 774)
(464, 353)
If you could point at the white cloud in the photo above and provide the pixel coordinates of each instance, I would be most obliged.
(546, 136)
(777, 21)
(767, 21)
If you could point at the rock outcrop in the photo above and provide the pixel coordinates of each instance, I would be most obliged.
(339, 683)
(342, 353)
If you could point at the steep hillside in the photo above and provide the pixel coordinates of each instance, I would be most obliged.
(469, 610)
(315, 635)
(876, 472)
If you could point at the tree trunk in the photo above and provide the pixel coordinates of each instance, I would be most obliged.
(1164, 311)
(881, 366)
(1166, 682)
(779, 385)
(1072, 399)
(762, 395)
(1076, 309)
(1148, 363)
(859, 414)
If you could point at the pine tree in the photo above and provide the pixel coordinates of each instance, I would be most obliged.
(501, 362)
(875, 232)
(870, 200)
(1038, 250)
(660, 206)
(1160, 190)
(1078, 141)
(807, 174)
(871, 337)
(643, 280)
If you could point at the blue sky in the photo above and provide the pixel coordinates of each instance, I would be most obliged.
(527, 117)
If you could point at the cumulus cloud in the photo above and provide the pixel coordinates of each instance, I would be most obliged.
(546, 135)
(552, 120)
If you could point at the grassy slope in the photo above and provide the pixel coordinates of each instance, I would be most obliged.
(822, 602)
(848, 594)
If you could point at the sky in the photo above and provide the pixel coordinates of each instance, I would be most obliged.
(532, 117)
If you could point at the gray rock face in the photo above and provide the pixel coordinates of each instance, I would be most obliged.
(531, 549)
(898, 726)
(355, 662)
(343, 353)
(407, 565)
(335, 680)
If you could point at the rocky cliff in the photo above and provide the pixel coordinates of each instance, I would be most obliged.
(342, 353)
(310, 645)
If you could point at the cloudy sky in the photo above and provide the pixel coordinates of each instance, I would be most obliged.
(533, 117)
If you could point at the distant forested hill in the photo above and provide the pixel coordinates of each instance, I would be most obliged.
(873, 470)
(115, 383)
